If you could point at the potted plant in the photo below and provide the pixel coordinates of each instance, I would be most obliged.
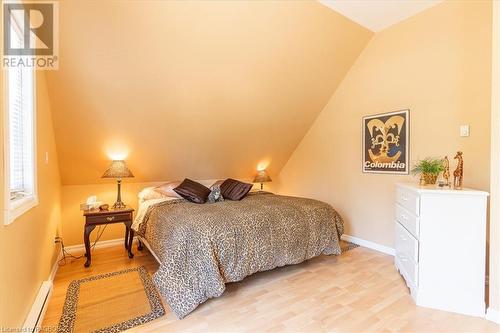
(429, 169)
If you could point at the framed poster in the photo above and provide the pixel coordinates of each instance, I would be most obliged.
(386, 142)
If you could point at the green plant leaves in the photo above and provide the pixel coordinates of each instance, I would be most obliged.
(430, 165)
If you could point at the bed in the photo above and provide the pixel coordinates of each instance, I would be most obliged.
(201, 247)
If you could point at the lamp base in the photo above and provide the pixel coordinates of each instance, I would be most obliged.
(119, 205)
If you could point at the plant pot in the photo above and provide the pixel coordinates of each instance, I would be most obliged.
(429, 178)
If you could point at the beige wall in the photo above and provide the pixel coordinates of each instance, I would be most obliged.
(27, 248)
(495, 166)
(204, 89)
(437, 64)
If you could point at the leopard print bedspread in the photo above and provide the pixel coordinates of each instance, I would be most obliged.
(202, 247)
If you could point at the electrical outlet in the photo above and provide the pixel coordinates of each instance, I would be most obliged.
(464, 130)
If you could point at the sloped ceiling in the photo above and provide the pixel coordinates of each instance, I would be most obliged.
(377, 15)
(193, 89)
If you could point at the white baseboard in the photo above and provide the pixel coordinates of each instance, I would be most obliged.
(34, 319)
(55, 267)
(100, 245)
(493, 315)
(368, 244)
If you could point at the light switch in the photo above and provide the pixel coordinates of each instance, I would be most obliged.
(464, 130)
(46, 157)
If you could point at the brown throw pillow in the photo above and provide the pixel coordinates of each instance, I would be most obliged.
(232, 189)
(192, 191)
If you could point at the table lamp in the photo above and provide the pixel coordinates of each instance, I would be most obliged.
(118, 170)
(262, 177)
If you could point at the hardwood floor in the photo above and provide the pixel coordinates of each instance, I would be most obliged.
(359, 291)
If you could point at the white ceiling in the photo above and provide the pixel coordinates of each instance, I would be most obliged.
(377, 15)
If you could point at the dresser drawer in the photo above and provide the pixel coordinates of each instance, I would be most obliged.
(408, 220)
(406, 244)
(408, 268)
(409, 200)
(99, 219)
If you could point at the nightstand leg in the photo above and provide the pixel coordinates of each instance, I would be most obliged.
(131, 238)
(86, 238)
(139, 245)
(127, 231)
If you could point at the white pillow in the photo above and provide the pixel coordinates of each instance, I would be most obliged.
(149, 193)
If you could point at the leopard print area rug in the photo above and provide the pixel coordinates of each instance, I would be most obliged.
(111, 302)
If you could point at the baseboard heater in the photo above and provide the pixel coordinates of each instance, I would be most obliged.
(34, 320)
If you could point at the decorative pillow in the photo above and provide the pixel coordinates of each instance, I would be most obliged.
(167, 189)
(234, 190)
(215, 195)
(192, 191)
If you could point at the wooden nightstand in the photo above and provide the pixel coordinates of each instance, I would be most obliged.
(94, 218)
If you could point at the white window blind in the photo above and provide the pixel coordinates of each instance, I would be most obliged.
(21, 137)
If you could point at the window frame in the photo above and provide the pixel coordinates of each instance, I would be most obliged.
(15, 208)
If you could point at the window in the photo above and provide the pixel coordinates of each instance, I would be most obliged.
(20, 147)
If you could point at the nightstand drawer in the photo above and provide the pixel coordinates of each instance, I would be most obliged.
(109, 218)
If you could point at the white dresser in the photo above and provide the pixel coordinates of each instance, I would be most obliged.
(440, 246)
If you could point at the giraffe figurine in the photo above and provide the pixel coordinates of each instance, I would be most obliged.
(458, 174)
(446, 172)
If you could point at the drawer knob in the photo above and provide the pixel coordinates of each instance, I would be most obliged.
(110, 218)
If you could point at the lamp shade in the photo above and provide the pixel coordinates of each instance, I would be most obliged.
(262, 177)
(118, 169)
